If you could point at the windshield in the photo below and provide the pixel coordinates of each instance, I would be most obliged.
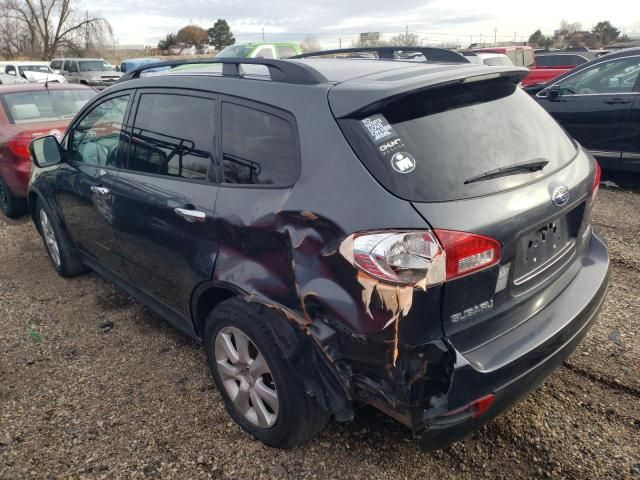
(237, 51)
(34, 68)
(45, 105)
(423, 146)
(93, 66)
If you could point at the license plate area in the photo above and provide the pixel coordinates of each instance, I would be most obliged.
(539, 250)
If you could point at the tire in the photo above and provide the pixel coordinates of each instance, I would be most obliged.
(294, 417)
(63, 257)
(10, 205)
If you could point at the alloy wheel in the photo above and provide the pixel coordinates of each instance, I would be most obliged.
(49, 238)
(246, 377)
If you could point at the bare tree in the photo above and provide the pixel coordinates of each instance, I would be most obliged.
(44, 26)
(408, 40)
(310, 44)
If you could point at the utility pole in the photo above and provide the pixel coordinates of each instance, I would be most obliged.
(406, 34)
(340, 42)
(263, 34)
(495, 36)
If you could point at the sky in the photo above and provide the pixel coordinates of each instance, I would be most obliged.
(144, 22)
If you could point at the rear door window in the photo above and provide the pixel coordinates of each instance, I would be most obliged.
(264, 52)
(285, 51)
(423, 147)
(173, 135)
(259, 146)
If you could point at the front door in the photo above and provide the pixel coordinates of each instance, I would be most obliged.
(594, 105)
(85, 180)
(165, 197)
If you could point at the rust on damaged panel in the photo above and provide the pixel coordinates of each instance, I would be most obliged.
(289, 262)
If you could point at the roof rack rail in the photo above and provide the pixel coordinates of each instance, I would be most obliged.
(432, 55)
(279, 70)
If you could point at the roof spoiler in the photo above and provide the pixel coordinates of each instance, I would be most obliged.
(432, 55)
(364, 97)
(279, 70)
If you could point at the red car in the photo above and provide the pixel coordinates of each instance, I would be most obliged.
(551, 65)
(28, 111)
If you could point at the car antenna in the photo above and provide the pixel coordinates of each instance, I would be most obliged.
(46, 81)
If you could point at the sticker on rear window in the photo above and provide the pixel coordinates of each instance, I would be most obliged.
(378, 129)
(403, 162)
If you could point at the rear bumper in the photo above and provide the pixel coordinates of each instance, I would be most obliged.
(17, 178)
(538, 347)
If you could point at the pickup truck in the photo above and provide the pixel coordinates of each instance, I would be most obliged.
(548, 66)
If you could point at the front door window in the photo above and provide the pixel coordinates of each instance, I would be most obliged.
(95, 139)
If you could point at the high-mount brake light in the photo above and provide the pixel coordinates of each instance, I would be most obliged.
(467, 252)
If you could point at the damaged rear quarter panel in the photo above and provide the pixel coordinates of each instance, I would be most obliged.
(280, 247)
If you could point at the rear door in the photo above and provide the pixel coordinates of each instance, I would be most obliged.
(165, 198)
(594, 106)
(85, 180)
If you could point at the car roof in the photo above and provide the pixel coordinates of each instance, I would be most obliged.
(34, 87)
(79, 59)
(258, 44)
(141, 59)
(354, 83)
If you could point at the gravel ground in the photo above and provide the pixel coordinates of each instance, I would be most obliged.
(94, 385)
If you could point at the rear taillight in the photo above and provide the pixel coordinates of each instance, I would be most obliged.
(468, 252)
(596, 181)
(20, 147)
(396, 257)
(421, 258)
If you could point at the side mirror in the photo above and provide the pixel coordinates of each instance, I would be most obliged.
(45, 151)
(553, 93)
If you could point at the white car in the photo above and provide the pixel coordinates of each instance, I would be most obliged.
(32, 71)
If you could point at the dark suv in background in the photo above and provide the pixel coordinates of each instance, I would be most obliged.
(337, 232)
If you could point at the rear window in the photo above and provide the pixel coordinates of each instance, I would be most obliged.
(424, 146)
(43, 106)
(559, 60)
(93, 66)
(235, 51)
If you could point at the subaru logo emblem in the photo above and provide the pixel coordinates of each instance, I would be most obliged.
(560, 196)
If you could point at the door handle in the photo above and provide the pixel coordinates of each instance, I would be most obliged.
(190, 216)
(616, 101)
(100, 190)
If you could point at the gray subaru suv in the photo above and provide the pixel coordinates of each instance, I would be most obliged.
(415, 236)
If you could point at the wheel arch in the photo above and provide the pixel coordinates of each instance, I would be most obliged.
(205, 298)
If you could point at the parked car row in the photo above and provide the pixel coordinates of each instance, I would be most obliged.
(232, 205)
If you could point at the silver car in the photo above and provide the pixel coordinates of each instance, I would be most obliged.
(94, 72)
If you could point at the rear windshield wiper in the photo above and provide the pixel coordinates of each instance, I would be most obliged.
(522, 167)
